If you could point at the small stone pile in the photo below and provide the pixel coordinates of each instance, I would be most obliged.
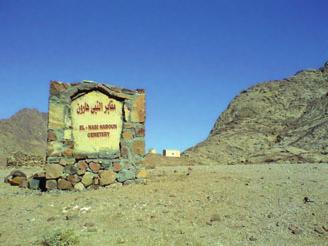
(81, 176)
(19, 159)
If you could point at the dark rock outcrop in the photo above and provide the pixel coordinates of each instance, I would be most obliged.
(277, 121)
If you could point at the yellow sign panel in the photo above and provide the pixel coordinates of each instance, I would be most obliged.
(97, 123)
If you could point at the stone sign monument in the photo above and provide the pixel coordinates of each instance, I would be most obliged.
(95, 135)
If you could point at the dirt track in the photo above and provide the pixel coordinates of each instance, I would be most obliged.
(214, 205)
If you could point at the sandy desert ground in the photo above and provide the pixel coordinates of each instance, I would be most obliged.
(214, 205)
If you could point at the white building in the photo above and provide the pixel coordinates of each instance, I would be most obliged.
(171, 153)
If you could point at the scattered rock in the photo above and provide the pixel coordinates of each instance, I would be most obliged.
(19, 159)
(319, 230)
(294, 229)
(51, 219)
(215, 218)
(306, 200)
(270, 215)
(89, 224)
(252, 238)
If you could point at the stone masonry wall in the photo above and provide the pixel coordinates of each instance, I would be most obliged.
(67, 168)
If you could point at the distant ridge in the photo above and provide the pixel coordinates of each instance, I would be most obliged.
(25, 131)
(277, 121)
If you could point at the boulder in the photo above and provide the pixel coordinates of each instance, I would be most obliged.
(14, 174)
(17, 181)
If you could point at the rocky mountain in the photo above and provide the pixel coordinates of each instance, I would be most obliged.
(276, 121)
(26, 131)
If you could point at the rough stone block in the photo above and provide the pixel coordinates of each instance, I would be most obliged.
(138, 147)
(140, 132)
(107, 177)
(70, 169)
(82, 167)
(74, 179)
(51, 136)
(138, 110)
(34, 184)
(64, 185)
(127, 135)
(51, 184)
(56, 115)
(117, 167)
(57, 87)
(68, 152)
(125, 152)
(125, 174)
(95, 167)
(54, 171)
(79, 187)
(87, 179)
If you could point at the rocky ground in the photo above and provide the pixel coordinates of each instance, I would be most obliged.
(209, 205)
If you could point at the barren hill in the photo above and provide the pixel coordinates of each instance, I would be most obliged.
(275, 121)
(25, 131)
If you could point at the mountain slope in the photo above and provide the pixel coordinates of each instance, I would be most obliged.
(275, 121)
(25, 131)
